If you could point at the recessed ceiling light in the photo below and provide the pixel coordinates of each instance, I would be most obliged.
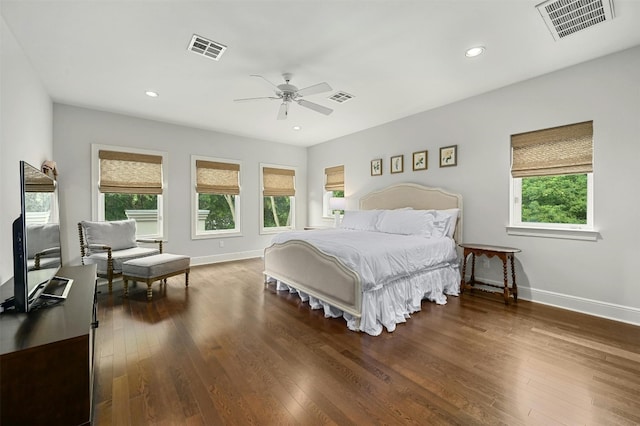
(474, 51)
(151, 94)
(297, 128)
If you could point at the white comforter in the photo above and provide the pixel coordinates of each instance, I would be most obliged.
(378, 258)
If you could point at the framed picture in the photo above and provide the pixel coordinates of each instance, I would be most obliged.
(397, 164)
(420, 160)
(376, 167)
(449, 156)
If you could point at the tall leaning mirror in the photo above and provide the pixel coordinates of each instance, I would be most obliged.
(42, 222)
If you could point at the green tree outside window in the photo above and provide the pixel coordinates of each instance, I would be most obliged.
(337, 194)
(115, 205)
(555, 199)
(222, 211)
(277, 211)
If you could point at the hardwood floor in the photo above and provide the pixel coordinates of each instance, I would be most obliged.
(229, 350)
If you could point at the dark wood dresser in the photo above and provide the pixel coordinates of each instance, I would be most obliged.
(46, 356)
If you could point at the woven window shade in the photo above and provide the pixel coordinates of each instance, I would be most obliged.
(334, 178)
(128, 173)
(213, 177)
(278, 182)
(37, 182)
(556, 151)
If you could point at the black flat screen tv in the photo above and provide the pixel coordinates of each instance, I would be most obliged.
(36, 238)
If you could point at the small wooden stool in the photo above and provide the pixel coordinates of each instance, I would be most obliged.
(153, 268)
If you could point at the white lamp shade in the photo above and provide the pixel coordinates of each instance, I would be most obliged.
(337, 203)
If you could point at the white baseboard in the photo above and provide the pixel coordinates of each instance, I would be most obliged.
(217, 258)
(612, 311)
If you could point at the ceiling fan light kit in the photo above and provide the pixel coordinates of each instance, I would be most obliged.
(289, 93)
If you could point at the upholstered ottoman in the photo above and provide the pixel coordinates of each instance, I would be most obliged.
(153, 268)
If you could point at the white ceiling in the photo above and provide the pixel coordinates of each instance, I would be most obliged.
(397, 57)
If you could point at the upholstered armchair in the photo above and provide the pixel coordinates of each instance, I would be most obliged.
(110, 244)
(43, 246)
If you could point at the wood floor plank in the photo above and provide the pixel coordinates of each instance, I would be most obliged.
(231, 350)
(120, 405)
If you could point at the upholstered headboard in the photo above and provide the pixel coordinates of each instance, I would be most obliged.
(416, 196)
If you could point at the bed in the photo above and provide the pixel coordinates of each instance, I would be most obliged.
(373, 293)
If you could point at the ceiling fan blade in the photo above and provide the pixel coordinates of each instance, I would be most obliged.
(316, 88)
(284, 111)
(270, 83)
(318, 108)
(254, 99)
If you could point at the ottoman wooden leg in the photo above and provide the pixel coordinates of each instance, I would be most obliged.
(126, 287)
(149, 292)
(186, 279)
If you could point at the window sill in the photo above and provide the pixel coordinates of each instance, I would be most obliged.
(267, 231)
(219, 234)
(563, 233)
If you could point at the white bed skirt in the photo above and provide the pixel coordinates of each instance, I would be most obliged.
(395, 302)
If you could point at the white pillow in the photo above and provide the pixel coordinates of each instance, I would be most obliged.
(360, 220)
(409, 222)
(451, 217)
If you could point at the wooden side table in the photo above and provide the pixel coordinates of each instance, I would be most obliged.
(506, 254)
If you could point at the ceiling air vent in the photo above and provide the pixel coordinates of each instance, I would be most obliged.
(566, 17)
(340, 97)
(208, 48)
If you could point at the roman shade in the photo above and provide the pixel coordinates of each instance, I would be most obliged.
(555, 151)
(129, 173)
(334, 178)
(213, 177)
(278, 182)
(34, 181)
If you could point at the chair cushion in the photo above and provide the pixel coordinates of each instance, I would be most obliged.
(156, 266)
(119, 257)
(42, 236)
(117, 234)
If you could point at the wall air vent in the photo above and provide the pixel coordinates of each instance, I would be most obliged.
(340, 97)
(566, 17)
(207, 48)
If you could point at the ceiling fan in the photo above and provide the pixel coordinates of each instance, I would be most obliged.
(288, 93)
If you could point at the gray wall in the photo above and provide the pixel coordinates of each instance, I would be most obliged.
(595, 277)
(75, 129)
(25, 134)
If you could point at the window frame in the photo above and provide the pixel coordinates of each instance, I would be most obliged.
(292, 205)
(327, 213)
(97, 197)
(555, 151)
(219, 233)
(549, 230)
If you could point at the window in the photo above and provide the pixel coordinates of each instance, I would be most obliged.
(216, 196)
(278, 198)
(333, 187)
(552, 180)
(130, 185)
